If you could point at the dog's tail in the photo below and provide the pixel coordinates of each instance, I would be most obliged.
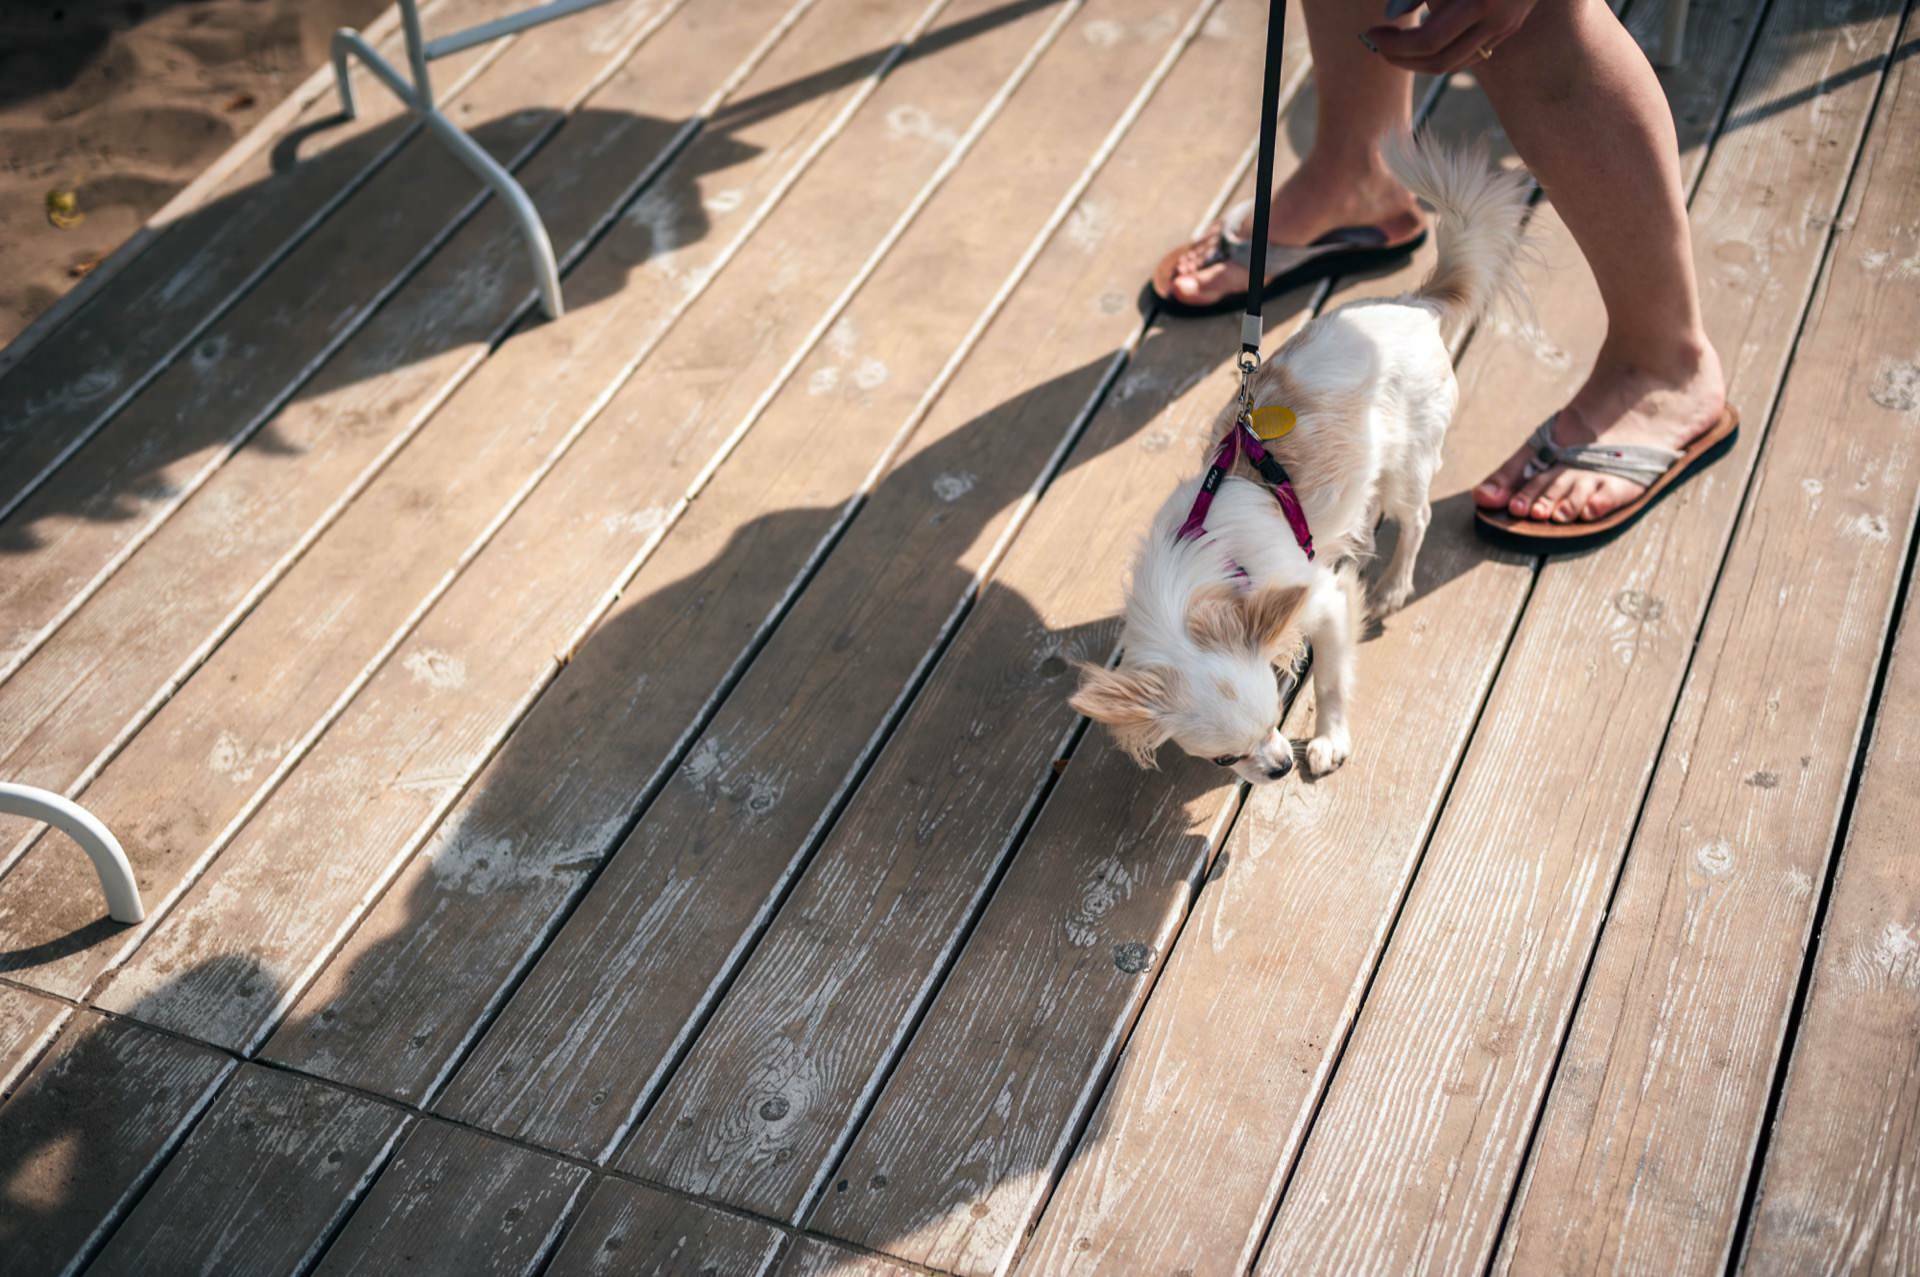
(1480, 228)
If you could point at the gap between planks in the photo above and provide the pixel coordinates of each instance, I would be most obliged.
(410, 1116)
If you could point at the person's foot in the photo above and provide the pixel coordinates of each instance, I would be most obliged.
(1307, 205)
(1622, 402)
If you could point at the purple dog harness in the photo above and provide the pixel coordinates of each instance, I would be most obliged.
(1239, 438)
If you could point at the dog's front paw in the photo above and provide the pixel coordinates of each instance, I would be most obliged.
(1389, 598)
(1326, 753)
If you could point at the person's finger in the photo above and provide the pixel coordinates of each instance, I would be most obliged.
(1430, 37)
(1463, 52)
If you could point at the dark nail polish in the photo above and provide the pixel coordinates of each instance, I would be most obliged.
(1397, 9)
(1371, 47)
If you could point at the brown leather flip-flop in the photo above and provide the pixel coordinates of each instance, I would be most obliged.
(1661, 469)
(1337, 252)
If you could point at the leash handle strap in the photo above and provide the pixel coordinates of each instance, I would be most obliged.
(1250, 326)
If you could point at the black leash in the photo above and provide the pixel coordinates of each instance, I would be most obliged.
(1242, 439)
(1262, 193)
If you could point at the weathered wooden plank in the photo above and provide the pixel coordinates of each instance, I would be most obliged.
(197, 261)
(156, 453)
(1417, 1146)
(582, 1046)
(82, 1136)
(693, 614)
(1837, 1194)
(1195, 1133)
(260, 1183)
(27, 1023)
(1643, 1150)
(811, 1257)
(309, 863)
(214, 748)
(454, 1201)
(629, 1230)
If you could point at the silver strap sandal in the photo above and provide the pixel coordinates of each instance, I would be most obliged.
(1660, 470)
(1635, 462)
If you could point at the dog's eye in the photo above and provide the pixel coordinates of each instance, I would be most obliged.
(1226, 760)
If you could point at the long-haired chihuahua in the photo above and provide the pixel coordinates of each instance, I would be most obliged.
(1244, 562)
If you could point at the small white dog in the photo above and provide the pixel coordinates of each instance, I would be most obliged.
(1222, 594)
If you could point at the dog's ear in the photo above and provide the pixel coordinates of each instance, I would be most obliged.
(1129, 702)
(1215, 618)
(1269, 613)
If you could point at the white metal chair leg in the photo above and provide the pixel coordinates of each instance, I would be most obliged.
(418, 98)
(79, 824)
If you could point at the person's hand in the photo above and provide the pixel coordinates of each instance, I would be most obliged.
(1456, 34)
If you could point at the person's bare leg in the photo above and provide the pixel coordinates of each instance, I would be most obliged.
(1342, 180)
(1585, 111)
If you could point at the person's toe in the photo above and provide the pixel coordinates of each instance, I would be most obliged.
(1554, 497)
(1189, 286)
(1497, 489)
(1530, 501)
(1609, 495)
(1207, 285)
(1580, 496)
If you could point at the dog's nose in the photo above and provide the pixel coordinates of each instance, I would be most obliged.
(1276, 770)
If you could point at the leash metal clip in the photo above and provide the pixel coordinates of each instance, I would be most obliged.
(1249, 362)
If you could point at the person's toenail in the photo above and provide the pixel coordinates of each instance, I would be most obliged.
(1563, 512)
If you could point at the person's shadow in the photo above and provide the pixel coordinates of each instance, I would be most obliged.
(936, 502)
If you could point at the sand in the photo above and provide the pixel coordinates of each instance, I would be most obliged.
(121, 104)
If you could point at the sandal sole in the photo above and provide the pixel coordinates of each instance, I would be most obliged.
(1340, 263)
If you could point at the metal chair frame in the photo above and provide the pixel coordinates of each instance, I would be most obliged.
(417, 96)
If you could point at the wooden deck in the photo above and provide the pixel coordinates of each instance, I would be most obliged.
(604, 789)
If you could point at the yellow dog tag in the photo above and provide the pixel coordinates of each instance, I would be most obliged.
(1272, 422)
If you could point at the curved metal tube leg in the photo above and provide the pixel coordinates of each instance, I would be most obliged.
(79, 824)
(546, 272)
(341, 81)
